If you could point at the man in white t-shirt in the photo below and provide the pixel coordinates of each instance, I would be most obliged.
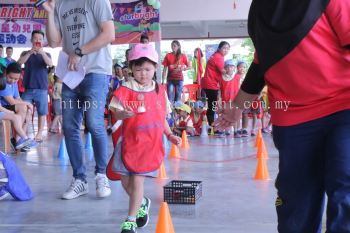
(85, 28)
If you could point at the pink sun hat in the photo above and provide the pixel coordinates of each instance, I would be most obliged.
(143, 50)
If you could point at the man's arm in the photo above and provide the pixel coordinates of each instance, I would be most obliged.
(53, 34)
(25, 56)
(105, 37)
(46, 57)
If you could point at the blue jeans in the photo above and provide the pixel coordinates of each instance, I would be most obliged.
(314, 160)
(89, 96)
(178, 90)
(40, 99)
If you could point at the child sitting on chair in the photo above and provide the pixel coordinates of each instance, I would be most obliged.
(16, 120)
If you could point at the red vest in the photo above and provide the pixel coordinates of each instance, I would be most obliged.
(229, 89)
(142, 145)
(197, 125)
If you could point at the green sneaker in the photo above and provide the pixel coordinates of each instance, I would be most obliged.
(128, 227)
(142, 216)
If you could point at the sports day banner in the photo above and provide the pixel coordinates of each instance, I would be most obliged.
(133, 19)
(17, 21)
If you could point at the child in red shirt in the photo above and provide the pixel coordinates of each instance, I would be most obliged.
(198, 116)
(229, 86)
(142, 106)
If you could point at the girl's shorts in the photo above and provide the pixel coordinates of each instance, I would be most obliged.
(118, 165)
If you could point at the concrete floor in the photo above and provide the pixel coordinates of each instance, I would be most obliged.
(232, 201)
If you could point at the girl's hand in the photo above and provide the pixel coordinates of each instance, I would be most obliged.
(175, 140)
(127, 113)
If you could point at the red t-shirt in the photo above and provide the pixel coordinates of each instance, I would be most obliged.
(213, 72)
(313, 80)
(229, 89)
(170, 59)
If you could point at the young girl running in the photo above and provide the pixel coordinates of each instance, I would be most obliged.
(142, 106)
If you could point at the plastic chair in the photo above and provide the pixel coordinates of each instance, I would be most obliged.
(6, 124)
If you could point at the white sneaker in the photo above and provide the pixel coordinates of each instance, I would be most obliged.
(102, 185)
(76, 189)
(3, 174)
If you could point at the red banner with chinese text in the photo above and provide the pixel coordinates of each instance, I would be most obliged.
(17, 21)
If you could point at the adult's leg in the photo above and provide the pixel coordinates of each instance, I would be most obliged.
(41, 102)
(72, 117)
(28, 96)
(170, 91)
(337, 173)
(178, 92)
(94, 91)
(212, 96)
(300, 181)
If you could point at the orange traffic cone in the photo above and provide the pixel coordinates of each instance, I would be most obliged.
(162, 172)
(174, 152)
(165, 224)
(184, 144)
(262, 173)
(262, 153)
(258, 138)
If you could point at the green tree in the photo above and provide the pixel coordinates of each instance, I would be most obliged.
(247, 44)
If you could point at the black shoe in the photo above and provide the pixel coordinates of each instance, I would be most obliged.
(142, 216)
(128, 227)
(244, 133)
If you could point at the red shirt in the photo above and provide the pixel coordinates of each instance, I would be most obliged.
(213, 72)
(313, 80)
(197, 125)
(170, 59)
(229, 89)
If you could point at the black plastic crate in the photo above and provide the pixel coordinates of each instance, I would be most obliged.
(182, 192)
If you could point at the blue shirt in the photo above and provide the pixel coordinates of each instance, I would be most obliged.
(9, 61)
(10, 90)
(35, 73)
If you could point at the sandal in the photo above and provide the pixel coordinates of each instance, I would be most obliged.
(53, 130)
(38, 139)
